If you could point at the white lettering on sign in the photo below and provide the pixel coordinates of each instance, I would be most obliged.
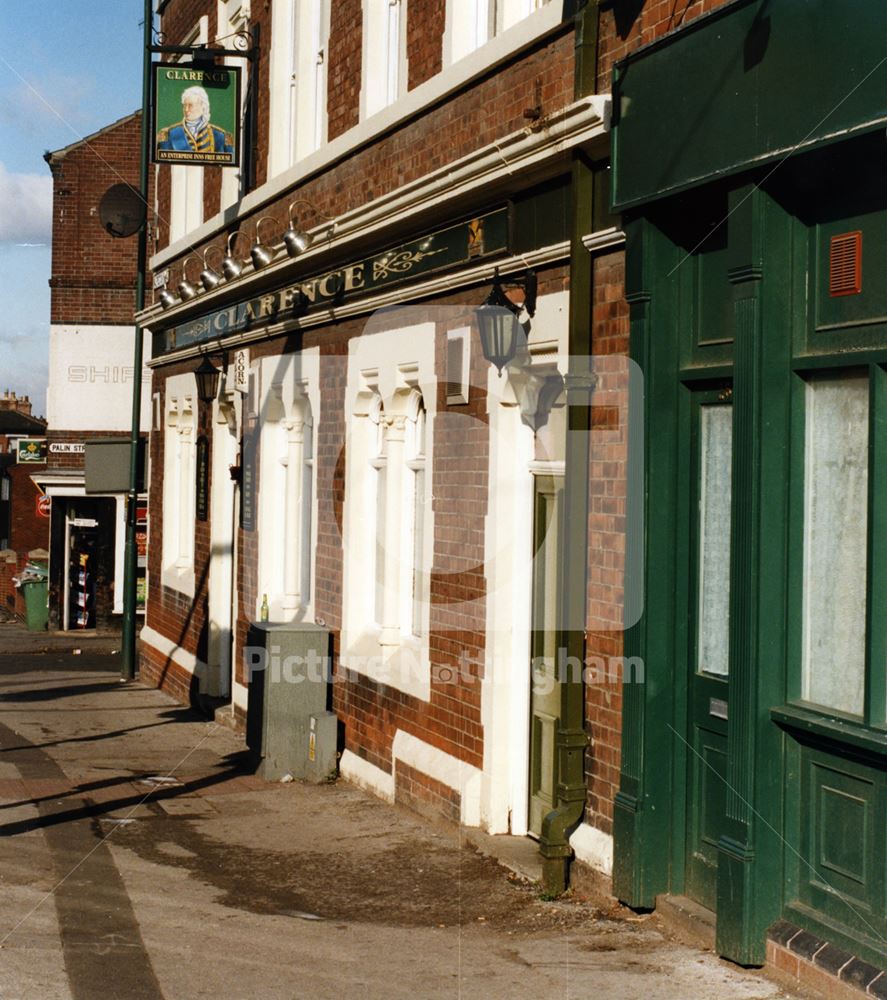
(103, 374)
(66, 448)
(241, 370)
(83, 522)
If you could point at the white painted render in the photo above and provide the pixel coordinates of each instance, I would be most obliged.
(443, 767)
(289, 414)
(366, 775)
(593, 847)
(423, 757)
(385, 369)
(91, 377)
(179, 487)
(172, 651)
(508, 559)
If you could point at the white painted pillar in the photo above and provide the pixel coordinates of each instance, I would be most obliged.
(186, 516)
(292, 561)
(391, 553)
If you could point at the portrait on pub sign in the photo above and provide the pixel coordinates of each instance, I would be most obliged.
(196, 114)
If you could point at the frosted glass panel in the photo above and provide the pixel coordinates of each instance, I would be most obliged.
(835, 516)
(715, 495)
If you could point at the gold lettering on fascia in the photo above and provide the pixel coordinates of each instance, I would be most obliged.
(330, 284)
(354, 277)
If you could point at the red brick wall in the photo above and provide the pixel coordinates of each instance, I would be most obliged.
(9, 595)
(426, 20)
(93, 273)
(606, 550)
(27, 529)
(343, 80)
(179, 19)
(373, 712)
(160, 671)
(425, 795)
(624, 28)
(469, 120)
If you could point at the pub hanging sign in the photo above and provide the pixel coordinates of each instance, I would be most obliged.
(196, 114)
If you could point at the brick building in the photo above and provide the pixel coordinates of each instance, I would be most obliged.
(23, 529)
(90, 372)
(542, 613)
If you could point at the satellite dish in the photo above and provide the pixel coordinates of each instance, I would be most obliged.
(122, 210)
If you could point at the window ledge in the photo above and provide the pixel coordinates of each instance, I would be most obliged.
(404, 667)
(809, 725)
(178, 578)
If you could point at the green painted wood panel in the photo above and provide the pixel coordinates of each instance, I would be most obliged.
(751, 83)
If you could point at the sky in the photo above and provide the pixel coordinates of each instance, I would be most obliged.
(67, 69)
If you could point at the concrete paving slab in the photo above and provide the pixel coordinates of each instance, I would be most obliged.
(191, 806)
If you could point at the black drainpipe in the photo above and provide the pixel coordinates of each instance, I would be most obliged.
(557, 825)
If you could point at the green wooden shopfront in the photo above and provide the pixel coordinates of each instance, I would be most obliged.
(750, 165)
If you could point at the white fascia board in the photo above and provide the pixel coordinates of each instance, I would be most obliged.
(593, 847)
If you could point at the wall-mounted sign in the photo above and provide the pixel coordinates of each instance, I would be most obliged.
(196, 114)
(67, 448)
(44, 506)
(248, 481)
(470, 240)
(202, 485)
(241, 370)
(30, 451)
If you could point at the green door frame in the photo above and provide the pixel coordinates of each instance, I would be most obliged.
(650, 808)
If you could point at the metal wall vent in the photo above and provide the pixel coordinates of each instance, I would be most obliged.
(845, 264)
(457, 367)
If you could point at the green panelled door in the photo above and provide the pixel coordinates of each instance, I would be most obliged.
(545, 693)
(708, 646)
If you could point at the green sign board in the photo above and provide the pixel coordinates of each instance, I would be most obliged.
(467, 241)
(31, 451)
(196, 114)
(749, 84)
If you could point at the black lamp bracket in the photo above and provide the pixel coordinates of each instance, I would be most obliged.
(527, 281)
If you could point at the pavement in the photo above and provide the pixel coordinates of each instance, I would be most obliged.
(141, 857)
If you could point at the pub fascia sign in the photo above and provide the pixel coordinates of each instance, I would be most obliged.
(467, 241)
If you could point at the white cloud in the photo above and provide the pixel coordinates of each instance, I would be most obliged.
(25, 207)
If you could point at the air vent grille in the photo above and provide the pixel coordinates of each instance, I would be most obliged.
(845, 264)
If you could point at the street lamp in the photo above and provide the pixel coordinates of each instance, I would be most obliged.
(207, 376)
(501, 332)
